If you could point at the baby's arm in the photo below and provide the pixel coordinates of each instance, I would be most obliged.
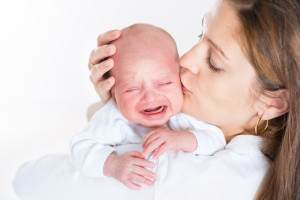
(92, 150)
(127, 167)
(91, 147)
(209, 141)
(163, 140)
(204, 139)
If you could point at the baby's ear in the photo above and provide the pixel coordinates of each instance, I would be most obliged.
(274, 104)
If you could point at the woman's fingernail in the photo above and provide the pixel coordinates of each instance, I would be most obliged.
(111, 79)
(108, 49)
(114, 33)
(106, 64)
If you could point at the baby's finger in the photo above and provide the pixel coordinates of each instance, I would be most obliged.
(100, 69)
(152, 138)
(143, 163)
(132, 185)
(140, 179)
(136, 154)
(143, 172)
(161, 150)
(100, 53)
(147, 136)
(107, 37)
(152, 146)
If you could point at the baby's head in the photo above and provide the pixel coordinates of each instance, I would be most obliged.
(147, 90)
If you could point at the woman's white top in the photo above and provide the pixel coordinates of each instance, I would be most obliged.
(234, 173)
(108, 128)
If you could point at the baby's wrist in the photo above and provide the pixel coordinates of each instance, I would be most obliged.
(108, 165)
(190, 142)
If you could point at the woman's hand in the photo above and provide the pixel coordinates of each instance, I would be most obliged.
(99, 64)
(129, 167)
(162, 140)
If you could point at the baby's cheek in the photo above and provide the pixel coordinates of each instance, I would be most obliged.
(128, 108)
(176, 100)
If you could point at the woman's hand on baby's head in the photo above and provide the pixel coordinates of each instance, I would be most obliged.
(99, 64)
(162, 140)
(131, 167)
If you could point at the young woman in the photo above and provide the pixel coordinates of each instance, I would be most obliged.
(242, 76)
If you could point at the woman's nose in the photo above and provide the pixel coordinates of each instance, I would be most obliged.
(187, 62)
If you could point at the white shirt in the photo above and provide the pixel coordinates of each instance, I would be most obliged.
(234, 173)
(108, 128)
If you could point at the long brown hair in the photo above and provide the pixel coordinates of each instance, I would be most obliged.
(271, 41)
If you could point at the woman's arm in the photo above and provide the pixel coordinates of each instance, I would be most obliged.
(100, 63)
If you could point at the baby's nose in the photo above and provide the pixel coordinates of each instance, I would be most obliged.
(150, 95)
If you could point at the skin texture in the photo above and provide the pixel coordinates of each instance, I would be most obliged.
(147, 86)
(219, 85)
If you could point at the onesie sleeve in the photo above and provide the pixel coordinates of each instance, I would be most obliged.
(210, 141)
(209, 137)
(90, 148)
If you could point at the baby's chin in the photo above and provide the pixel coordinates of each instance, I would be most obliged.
(154, 124)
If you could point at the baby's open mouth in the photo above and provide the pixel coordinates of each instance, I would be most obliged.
(155, 110)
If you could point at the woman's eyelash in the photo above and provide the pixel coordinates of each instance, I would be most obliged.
(211, 66)
(200, 36)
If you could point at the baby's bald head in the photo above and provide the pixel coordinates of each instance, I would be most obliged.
(147, 87)
(142, 42)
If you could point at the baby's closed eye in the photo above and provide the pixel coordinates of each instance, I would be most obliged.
(165, 83)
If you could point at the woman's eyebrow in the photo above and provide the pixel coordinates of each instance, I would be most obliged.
(218, 49)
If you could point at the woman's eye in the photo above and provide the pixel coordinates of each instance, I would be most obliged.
(211, 66)
(200, 36)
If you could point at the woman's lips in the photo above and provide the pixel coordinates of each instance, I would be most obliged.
(184, 90)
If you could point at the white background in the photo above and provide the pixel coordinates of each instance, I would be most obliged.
(44, 80)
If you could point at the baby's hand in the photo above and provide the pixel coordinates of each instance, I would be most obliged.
(163, 140)
(129, 167)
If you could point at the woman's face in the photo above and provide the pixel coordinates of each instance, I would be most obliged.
(217, 78)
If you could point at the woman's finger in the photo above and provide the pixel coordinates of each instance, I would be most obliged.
(100, 53)
(100, 69)
(103, 88)
(107, 37)
(143, 172)
(140, 179)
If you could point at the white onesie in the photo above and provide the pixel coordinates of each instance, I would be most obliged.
(109, 130)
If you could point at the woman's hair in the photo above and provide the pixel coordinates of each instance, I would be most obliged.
(270, 39)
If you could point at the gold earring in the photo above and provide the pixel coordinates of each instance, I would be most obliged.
(267, 124)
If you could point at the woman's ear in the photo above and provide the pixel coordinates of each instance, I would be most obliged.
(274, 104)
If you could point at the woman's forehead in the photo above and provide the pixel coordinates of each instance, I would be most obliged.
(221, 27)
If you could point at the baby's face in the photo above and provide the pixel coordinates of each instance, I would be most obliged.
(148, 90)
